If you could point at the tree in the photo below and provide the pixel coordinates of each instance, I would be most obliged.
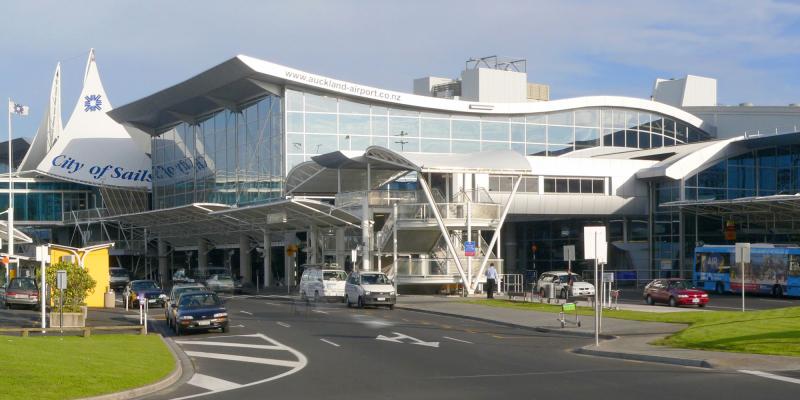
(79, 285)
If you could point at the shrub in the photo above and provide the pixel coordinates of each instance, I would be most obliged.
(79, 285)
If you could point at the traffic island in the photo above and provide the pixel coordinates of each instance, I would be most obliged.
(68, 367)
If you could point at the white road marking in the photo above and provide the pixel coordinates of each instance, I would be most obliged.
(329, 342)
(254, 360)
(457, 340)
(283, 324)
(211, 383)
(319, 311)
(399, 337)
(269, 303)
(229, 344)
(237, 326)
(246, 312)
(771, 376)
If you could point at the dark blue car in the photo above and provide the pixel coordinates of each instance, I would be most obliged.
(147, 290)
(200, 311)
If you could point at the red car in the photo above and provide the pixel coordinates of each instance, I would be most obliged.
(675, 292)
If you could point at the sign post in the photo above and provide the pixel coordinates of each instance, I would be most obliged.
(596, 248)
(742, 257)
(569, 257)
(61, 284)
(43, 257)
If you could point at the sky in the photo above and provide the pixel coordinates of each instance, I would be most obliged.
(579, 48)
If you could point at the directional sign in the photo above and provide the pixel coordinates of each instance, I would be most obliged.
(469, 249)
(61, 279)
(401, 338)
(569, 252)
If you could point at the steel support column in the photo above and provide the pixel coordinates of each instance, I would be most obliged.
(496, 233)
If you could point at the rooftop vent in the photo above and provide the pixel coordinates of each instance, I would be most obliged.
(748, 104)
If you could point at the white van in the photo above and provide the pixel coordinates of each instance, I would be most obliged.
(369, 289)
(318, 283)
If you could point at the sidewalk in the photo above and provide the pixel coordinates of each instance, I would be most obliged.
(621, 338)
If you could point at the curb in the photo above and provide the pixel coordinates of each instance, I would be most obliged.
(511, 325)
(182, 367)
(684, 362)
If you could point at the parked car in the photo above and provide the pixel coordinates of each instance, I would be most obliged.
(180, 276)
(199, 311)
(21, 292)
(369, 289)
(317, 283)
(175, 294)
(146, 289)
(675, 292)
(561, 283)
(118, 278)
(220, 283)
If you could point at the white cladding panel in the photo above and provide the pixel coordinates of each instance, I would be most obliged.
(494, 86)
(733, 121)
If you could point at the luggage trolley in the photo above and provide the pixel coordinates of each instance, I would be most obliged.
(562, 316)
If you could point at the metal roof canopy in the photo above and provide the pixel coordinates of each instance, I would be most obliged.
(343, 171)
(19, 236)
(777, 208)
(184, 225)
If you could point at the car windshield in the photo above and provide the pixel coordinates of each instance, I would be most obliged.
(575, 278)
(22, 284)
(224, 277)
(375, 279)
(195, 300)
(180, 290)
(681, 285)
(118, 272)
(334, 275)
(144, 285)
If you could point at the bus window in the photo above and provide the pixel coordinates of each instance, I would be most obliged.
(794, 265)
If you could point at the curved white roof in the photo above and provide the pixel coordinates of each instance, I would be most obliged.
(243, 78)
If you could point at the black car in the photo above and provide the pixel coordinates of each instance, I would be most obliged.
(175, 294)
(145, 289)
(199, 311)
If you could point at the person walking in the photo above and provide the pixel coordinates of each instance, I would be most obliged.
(491, 281)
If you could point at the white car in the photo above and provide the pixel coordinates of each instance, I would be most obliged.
(220, 283)
(560, 283)
(369, 289)
(317, 283)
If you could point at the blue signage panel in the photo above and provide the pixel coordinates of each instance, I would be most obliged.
(469, 249)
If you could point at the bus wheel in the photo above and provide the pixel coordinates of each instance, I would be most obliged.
(777, 291)
(720, 288)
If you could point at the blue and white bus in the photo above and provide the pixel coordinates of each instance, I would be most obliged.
(773, 269)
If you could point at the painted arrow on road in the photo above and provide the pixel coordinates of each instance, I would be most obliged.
(399, 338)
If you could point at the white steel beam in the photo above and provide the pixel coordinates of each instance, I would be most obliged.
(496, 233)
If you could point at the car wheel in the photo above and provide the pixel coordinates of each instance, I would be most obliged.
(777, 291)
(673, 302)
(178, 330)
(649, 300)
(347, 301)
(720, 288)
(360, 302)
(563, 293)
(541, 292)
(225, 328)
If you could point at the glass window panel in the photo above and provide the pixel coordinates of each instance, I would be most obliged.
(435, 146)
(536, 133)
(359, 143)
(530, 184)
(536, 149)
(407, 127)
(354, 124)
(435, 128)
(494, 183)
(618, 118)
(631, 119)
(464, 146)
(349, 107)
(517, 132)
(380, 126)
(607, 119)
(549, 185)
(574, 186)
(294, 122)
(315, 103)
(466, 129)
(494, 146)
(494, 130)
(644, 121)
(587, 136)
(562, 118)
(294, 100)
(586, 185)
(539, 119)
(631, 139)
(404, 144)
(644, 140)
(669, 127)
(506, 183)
(293, 160)
(657, 140)
(598, 186)
(320, 123)
(559, 134)
(295, 143)
(558, 149)
(587, 117)
(320, 144)
(380, 141)
(403, 113)
(681, 132)
(518, 147)
(562, 185)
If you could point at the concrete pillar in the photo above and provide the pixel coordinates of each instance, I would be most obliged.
(510, 243)
(340, 248)
(202, 256)
(365, 234)
(311, 243)
(288, 264)
(267, 260)
(245, 270)
(163, 262)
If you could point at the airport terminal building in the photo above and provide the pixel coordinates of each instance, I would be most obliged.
(250, 159)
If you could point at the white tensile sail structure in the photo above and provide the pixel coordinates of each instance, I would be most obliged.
(49, 130)
(94, 149)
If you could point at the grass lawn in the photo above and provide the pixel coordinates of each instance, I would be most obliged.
(775, 331)
(69, 367)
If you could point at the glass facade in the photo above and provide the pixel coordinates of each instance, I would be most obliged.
(229, 157)
(46, 201)
(317, 124)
